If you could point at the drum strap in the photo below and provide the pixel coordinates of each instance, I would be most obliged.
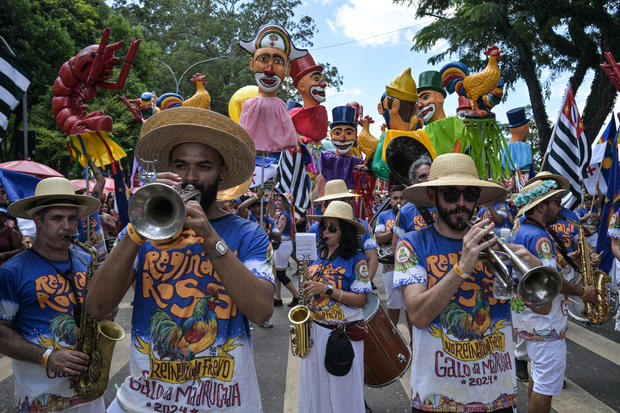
(356, 331)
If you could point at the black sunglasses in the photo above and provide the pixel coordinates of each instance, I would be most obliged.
(331, 228)
(452, 194)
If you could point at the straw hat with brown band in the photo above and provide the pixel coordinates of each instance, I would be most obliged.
(54, 192)
(535, 192)
(544, 175)
(336, 189)
(171, 127)
(453, 169)
(343, 211)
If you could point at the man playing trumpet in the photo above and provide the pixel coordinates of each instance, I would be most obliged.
(462, 336)
(191, 345)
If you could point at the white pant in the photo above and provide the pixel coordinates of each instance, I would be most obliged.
(321, 392)
(395, 300)
(548, 365)
(280, 256)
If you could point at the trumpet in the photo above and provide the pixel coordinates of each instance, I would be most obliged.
(157, 211)
(538, 286)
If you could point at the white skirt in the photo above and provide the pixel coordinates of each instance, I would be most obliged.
(322, 392)
(280, 256)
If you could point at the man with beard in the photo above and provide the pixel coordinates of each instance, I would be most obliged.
(265, 117)
(194, 294)
(544, 327)
(383, 235)
(449, 296)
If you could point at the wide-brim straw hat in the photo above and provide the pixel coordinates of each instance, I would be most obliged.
(453, 169)
(545, 175)
(172, 127)
(343, 211)
(539, 186)
(54, 192)
(335, 189)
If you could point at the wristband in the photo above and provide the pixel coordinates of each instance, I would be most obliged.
(340, 297)
(46, 357)
(460, 272)
(135, 237)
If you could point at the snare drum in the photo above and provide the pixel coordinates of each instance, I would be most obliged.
(386, 354)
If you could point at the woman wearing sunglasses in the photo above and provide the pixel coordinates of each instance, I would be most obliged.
(332, 375)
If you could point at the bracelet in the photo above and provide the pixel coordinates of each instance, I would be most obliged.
(135, 237)
(460, 273)
(340, 297)
(46, 357)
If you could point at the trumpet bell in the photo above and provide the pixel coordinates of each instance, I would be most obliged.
(539, 286)
(157, 212)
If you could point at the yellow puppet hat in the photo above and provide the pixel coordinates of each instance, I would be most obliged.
(403, 87)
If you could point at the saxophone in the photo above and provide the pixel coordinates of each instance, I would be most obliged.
(95, 338)
(606, 299)
(301, 342)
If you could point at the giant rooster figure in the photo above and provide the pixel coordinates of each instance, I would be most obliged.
(467, 325)
(80, 77)
(197, 333)
(485, 89)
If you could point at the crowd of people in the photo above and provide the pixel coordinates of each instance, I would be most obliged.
(472, 329)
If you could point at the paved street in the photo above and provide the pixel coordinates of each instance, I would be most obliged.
(593, 374)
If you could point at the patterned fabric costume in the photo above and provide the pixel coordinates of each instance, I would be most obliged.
(321, 391)
(469, 344)
(39, 304)
(191, 346)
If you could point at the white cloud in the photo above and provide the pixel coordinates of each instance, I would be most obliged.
(371, 21)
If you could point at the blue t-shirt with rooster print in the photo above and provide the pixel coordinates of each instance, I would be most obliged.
(345, 274)
(40, 304)
(463, 360)
(191, 348)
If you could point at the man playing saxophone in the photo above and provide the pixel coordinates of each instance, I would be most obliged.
(195, 294)
(544, 328)
(41, 291)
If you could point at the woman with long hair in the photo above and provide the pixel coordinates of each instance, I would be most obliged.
(285, 225)
(332, 375)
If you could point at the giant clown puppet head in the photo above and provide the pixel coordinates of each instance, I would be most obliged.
(431, 96)
(343, 131)
(308, 79)
(272, 50)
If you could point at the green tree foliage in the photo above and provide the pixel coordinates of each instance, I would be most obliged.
(47, 33)
(565, 37)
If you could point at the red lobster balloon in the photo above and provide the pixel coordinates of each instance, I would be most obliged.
(78, 80)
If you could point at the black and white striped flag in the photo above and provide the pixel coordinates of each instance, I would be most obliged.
(294, 179)
(14, 81)
(568, 153)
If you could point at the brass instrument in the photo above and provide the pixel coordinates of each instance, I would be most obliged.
(157, 211)
(301, 342)
(385, 252)
(538, 286)
(606, 298)
(95, 338)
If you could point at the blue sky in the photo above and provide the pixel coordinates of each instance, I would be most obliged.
(378, 52)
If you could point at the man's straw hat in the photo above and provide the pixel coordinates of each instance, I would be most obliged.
(54, 192)
(171, 127)
(535, 192)
(453, 169)
(335, 189)
(343, 211)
